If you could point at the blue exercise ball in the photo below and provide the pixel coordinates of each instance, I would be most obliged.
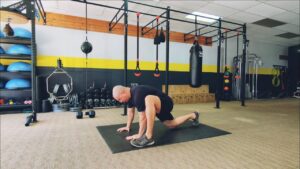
(22, 33)
(17, 84)
(18, 50)
(1, 34)
(1, 50)
(2, 68)
(2, 84)
(19, 67)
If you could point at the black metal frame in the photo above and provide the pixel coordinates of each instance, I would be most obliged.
(168, 17)
(29, 5)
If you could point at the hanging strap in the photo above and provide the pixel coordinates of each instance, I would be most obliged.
(157, 38)
(137, 71)
(156, 70)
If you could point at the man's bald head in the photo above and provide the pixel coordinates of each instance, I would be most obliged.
(121, 93)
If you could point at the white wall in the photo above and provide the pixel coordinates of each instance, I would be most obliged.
(54, 41)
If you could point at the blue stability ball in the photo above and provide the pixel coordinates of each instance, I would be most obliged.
(17, 84)
(19, 67)
(2, 84)
(1, 50)
(22, 33)
(18, 50)
(2, 68)
(1, 34)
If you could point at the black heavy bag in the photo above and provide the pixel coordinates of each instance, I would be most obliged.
(196, 65)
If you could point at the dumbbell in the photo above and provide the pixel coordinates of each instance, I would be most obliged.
(90, 113)
(79, 114)
(96, 102)
(108, 102)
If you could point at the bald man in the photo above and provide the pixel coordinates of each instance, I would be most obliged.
(150, 103)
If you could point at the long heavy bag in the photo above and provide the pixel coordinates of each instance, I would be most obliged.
(196, 65)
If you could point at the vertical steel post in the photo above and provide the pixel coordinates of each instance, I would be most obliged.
(218, 84)
(243, 72)
(125, 48)
(30, 12)
(167, 50)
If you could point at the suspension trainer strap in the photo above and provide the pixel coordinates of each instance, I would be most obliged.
(137, 71)
(156, 70)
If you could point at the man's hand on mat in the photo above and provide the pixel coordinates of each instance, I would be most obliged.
(135, 136)
(123, 129)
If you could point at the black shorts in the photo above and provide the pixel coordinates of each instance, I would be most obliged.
(165, 110)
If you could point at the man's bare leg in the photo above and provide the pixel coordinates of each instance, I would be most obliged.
(153, 105)
(179, 120)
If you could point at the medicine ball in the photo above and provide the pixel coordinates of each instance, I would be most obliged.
(1, 50)
(22, 33)
(17, 84)
(86, 47)
(19, 50)
(2, 68)
(19, 67)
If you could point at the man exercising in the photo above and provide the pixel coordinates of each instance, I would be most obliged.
(150, 102)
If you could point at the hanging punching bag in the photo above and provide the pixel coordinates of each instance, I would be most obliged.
(196, 65)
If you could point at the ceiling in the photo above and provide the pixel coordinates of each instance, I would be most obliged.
(243, 11)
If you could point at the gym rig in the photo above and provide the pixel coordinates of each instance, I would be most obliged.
(240, 29)
(166, 18)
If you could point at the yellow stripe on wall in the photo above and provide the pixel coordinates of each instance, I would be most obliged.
(98, 63)
(9, 61)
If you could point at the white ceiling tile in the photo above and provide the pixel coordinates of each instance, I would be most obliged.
(265, 10)
(240, 5)
(188, 5)
(287, 5)
(219, 10)
(246, 17)
(289, 28)
(107, 2)
(296, 10)
(288, 17)
(6, 3)
(48, 4)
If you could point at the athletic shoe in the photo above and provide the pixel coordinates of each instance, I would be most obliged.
(142, 142)
(196, 120)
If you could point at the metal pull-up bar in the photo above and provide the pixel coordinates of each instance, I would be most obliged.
(151, 23)
(144, 33)
(117, 19)
(196, 30)
(41, 10)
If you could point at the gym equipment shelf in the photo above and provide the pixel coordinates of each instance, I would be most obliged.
(14, 90)
(21, 57)
(17, 94)
(15, 40)
(14, 106)
(4, 73)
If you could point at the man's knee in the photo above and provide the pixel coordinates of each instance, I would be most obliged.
(152, 100)
(170, 124)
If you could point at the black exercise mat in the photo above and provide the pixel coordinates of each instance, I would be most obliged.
(162, 135)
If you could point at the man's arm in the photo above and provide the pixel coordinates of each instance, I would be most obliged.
(130, 117)
(142, 127)
(142, 123)
(130, 114)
